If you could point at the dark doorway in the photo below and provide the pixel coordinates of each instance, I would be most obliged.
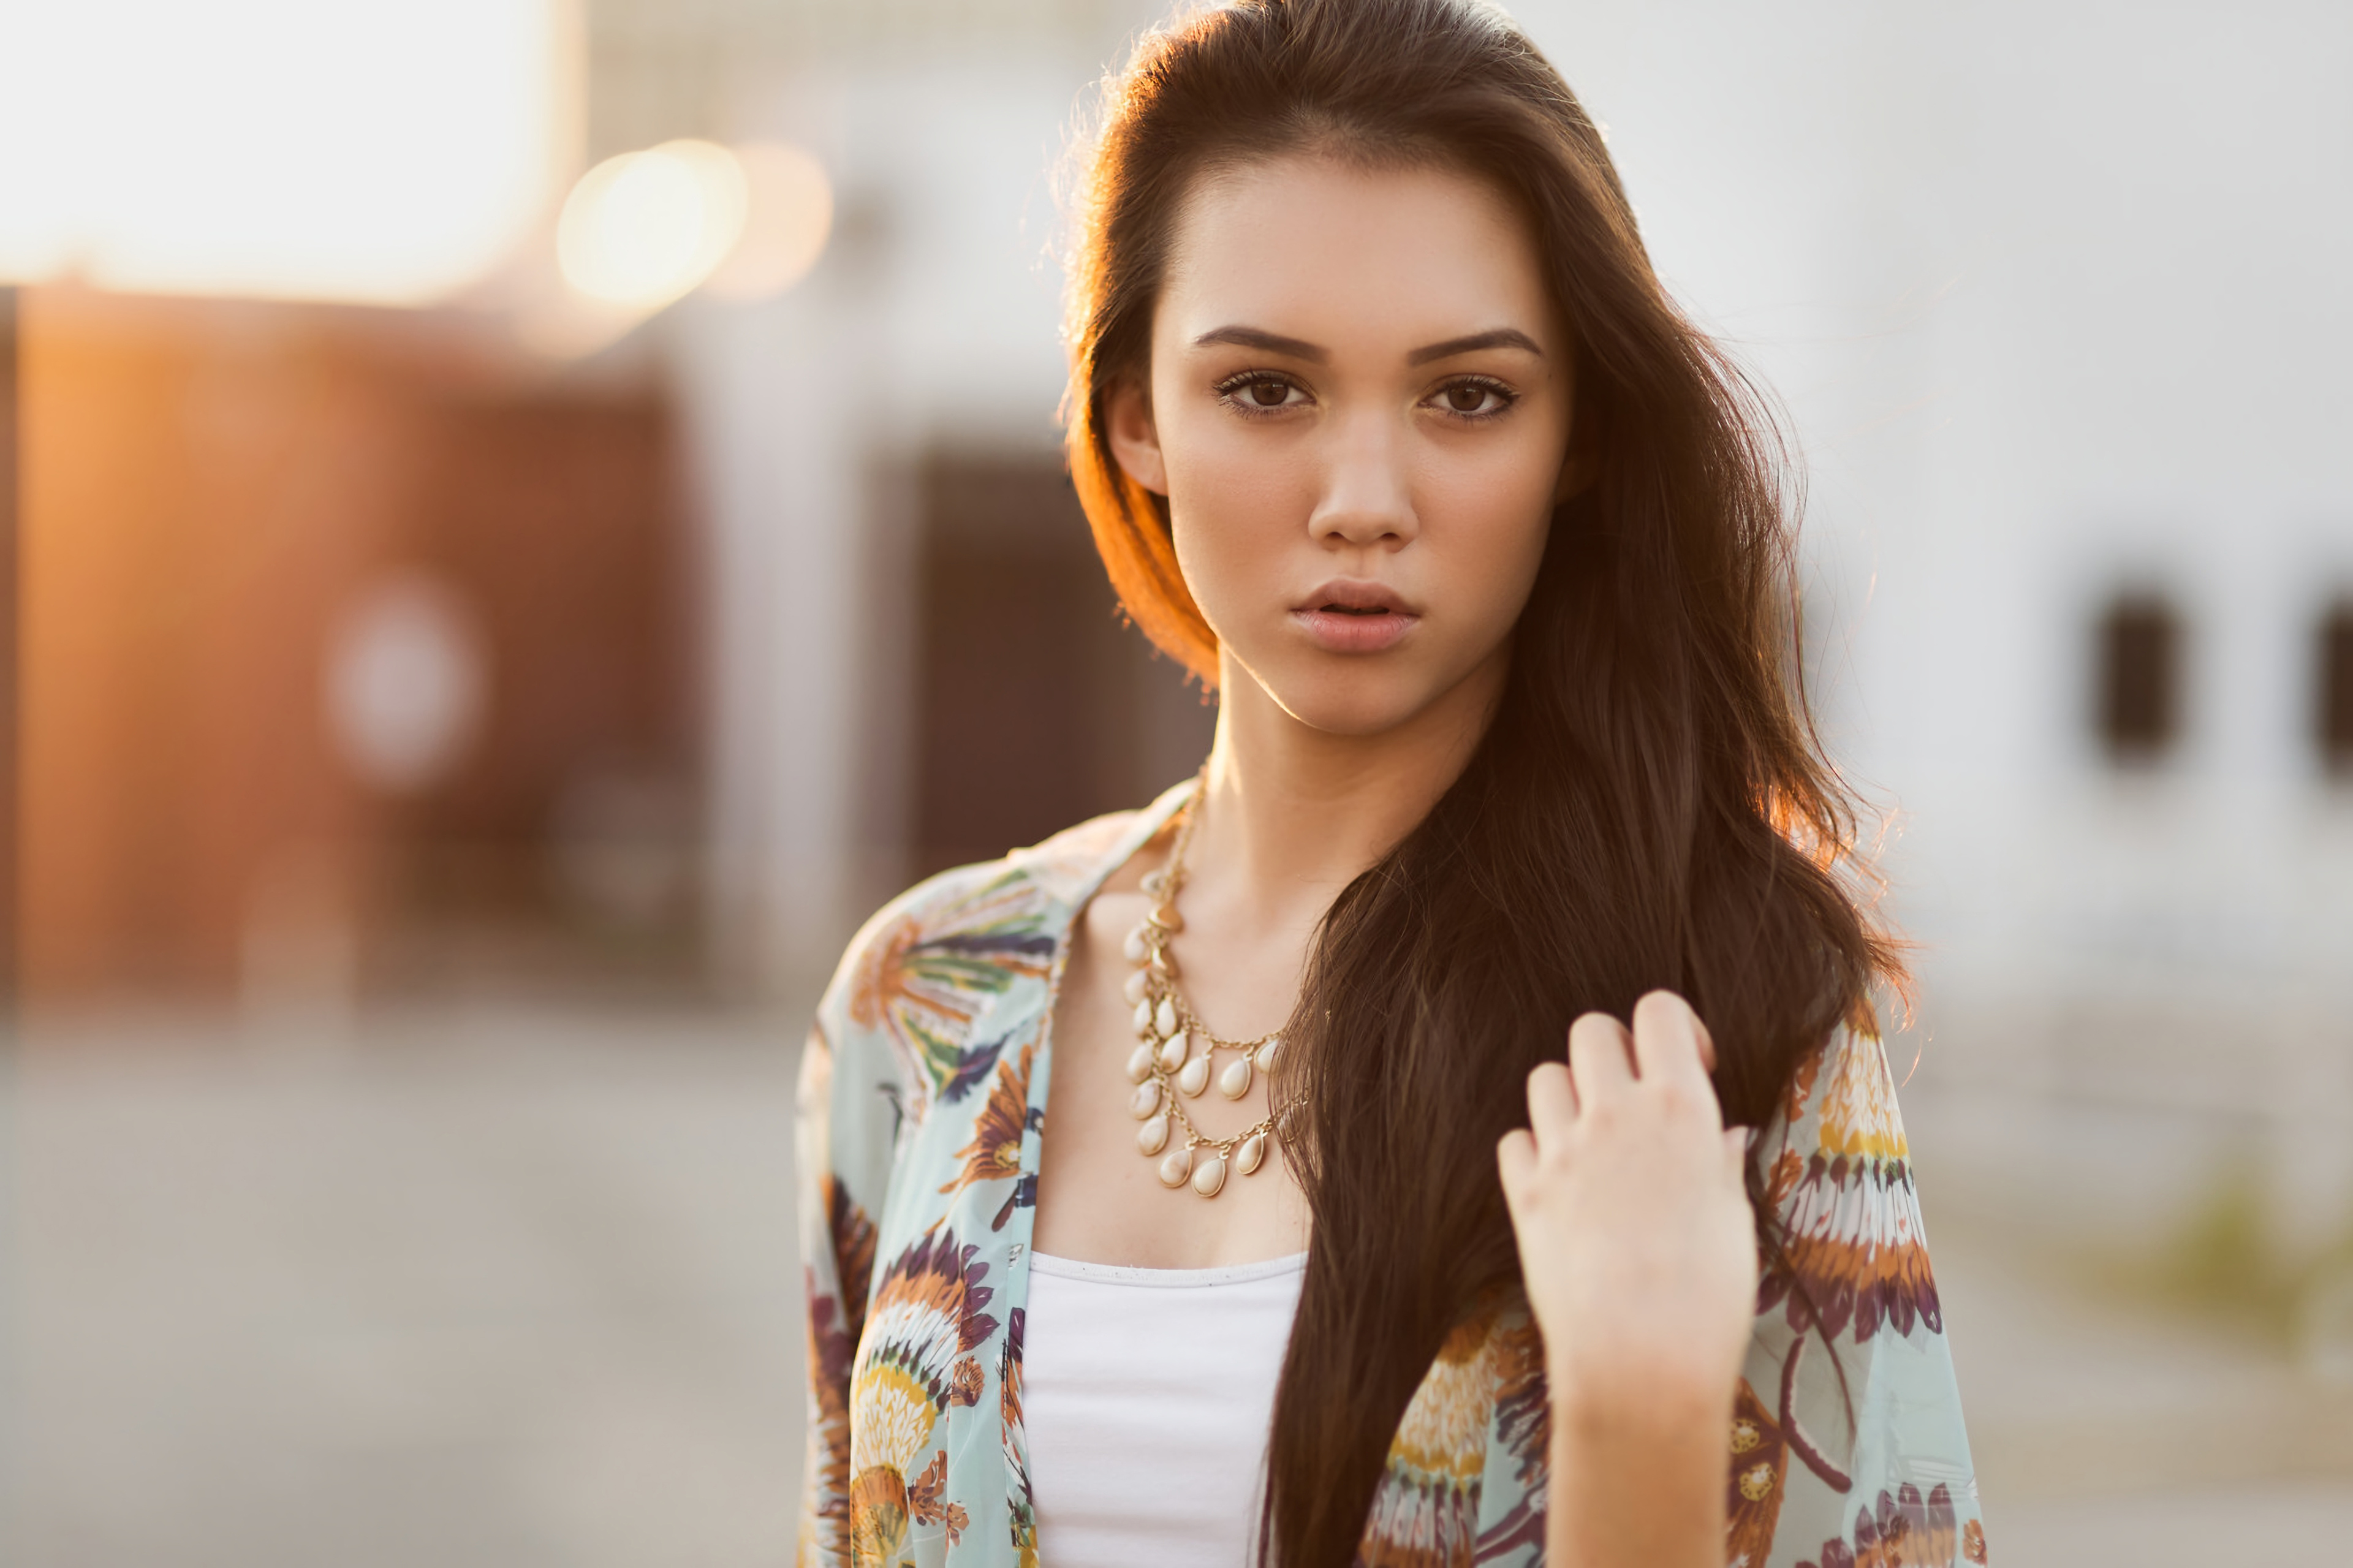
(1037, 707)
(2333, 728)
(2139, 699)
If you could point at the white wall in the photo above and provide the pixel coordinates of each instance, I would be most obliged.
(2055, 295)
(932, 322)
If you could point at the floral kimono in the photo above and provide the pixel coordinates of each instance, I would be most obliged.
(923, 1098)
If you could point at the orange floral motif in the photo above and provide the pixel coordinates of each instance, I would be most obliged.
(878, 1514)
(995, 1152)
(926, 1499)
(831, 1351)
(923, 977)
(917, 1088)
(1425, 1512)
(1852, 1253)
(1801, 1084)
(835, 1321)
(1907, 1531)
(927, 1314)
(1859, 1118)
(852, 1234)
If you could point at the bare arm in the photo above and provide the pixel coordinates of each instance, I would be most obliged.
(1637, 1247)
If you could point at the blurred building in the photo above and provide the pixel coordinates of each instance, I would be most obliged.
(402, 622)
(379, 652)
(2050, 297)
(914, 658)
(2053, 295)
(356, 658)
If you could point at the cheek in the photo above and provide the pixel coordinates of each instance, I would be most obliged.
(1237, 504)
(1488, 518)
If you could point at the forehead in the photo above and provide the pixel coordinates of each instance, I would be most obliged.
(1353, 258)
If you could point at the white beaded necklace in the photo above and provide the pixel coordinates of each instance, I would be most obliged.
(1164, 1068)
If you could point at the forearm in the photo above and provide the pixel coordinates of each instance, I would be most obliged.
(1636, 1483)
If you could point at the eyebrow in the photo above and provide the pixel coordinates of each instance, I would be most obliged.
(1499, 337)
(1273, 343)
(1298, 348)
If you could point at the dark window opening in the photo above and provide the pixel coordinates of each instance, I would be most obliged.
(2334, 729)
(2140, 695)
(1037, 707)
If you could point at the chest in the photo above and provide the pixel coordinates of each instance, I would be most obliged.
(1102, 1191)
(938, 1463)
(1152, 1457)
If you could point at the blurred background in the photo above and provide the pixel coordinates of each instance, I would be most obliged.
(514, 508)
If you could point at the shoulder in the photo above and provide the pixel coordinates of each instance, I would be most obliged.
(1002, 910)
(931, 963)
(1838, 1171)
(1849, 1432)
(1840, 1105)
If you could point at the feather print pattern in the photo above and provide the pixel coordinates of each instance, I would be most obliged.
(1856, 1259)
(922, 1118)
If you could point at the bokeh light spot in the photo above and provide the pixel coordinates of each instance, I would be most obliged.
(641, 229)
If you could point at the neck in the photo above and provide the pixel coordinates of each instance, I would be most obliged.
(1295, 814)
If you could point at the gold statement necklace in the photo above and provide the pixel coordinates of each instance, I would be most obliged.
(1176, 1055)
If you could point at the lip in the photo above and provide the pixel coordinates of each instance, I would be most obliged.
(1351, 615)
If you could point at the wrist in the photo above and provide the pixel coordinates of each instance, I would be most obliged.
(1647, 1406)
(1638, 1474)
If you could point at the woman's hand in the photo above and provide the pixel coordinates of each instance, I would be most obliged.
(1640, 1255)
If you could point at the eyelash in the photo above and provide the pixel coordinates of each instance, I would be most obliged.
(1504, 398)
(1228, 391)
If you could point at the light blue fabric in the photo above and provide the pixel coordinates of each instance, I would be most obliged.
(924, 1102)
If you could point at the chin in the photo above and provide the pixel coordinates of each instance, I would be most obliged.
(1358, 702)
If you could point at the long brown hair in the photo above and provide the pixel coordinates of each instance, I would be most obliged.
(1648, 809)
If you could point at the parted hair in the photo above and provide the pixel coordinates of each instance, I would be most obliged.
(1649, 807)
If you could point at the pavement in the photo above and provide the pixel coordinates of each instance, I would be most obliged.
(2112, 1431)
(511, 1289)
(518, 1288)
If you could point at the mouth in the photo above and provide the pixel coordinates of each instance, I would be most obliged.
(1345, 617)
(1353, 596)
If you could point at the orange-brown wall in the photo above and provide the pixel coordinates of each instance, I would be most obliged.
(205, 486)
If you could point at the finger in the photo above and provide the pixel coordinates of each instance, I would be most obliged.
(1515, 1161)
(1599, 1059)
(1552, 1101)
(1735, 1154)
(1667, 1040)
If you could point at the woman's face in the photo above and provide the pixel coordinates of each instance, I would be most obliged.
(1360, 411)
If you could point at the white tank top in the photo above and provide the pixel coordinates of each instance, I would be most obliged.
(1147, 1395)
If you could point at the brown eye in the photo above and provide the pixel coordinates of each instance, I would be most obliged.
(1269, 394)
(1465, 398)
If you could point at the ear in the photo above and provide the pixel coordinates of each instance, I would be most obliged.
(1135, 440)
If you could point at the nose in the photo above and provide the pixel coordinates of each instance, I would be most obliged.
(1367, 499)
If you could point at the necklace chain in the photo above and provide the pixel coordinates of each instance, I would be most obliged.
(1164, 1066)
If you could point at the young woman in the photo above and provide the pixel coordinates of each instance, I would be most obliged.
(1209, 1184)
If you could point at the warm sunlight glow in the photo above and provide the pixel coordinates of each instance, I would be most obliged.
(645, 227)
(386, 152)
(785, 231)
